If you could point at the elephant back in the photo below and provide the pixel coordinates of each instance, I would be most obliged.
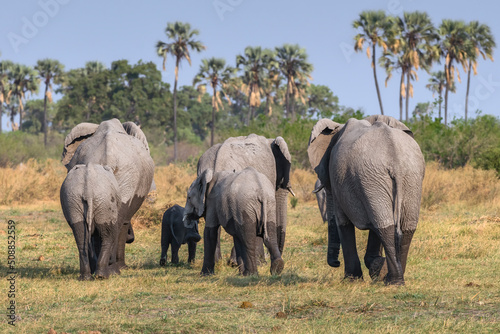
(238, 153)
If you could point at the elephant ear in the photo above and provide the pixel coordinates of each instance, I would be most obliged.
(134, 130)
(391, 121)
(320, 146)
(283, 162)
(77, 135)
(204, 181)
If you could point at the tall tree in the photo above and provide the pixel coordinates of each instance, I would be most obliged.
(272, 78)
(483, 44)
(418, 39)
(293, 64)
(437, 83)
(372, 26)
(215, 73)
(253, 68)
(5, 86)
(25, 81)
(181, 38)
(455, 47)
(50, 71)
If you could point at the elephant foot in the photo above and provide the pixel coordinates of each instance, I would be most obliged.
(114, 269)
(277, 266)
(206, 273)
(190, 260)
(121, 265)
(352, 278)
(163, 262)
(101, 275)
(334, 263)
(86, 277)
(378, 270)
(232, 262)
(395, 282)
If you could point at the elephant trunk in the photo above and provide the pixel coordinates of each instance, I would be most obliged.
(281, 208)
(333, 233)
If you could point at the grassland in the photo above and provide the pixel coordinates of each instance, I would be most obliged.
(452, 279)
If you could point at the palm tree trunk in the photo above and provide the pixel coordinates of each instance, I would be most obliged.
(1, 114)
(213, 117)
(175, 109)
(44, 125)
(20, 117)
(376, 82)
(267, 107)
(249, 115)
(467, 94)
(446, 95)
(440, 100)
(287, 98)
(401, 96)
(407, 93)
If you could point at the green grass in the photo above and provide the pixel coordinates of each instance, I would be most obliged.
(452, 282)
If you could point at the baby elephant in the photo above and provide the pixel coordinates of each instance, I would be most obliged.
(90, 202)
(244, 204)
(173, 232)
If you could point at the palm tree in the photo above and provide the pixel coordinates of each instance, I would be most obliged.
(5, 87)
(293, 64)
(483, 43)
(437, 83)
(373, 25)
(272, 78)
(455, 47)
(418, 39)
(25, 81)
(253, 76)
(182, 37)
(215, 73)
(50, 71)
(93, 67)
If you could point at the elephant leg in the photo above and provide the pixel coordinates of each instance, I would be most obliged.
(233, 259)
(351, 259)
(333, 233)
(392, 256)
(120, 247)
(218, 255)
(373, 257)
(191, 251)
(210, 243)
(277, 263)
(93, 252)
(130, 234)
(175, 252)
(104, 237)
(164, 250)
(261, 255)
(113, 267)
(249, 255)
(82, 239)
(405, 247)
(239, 252)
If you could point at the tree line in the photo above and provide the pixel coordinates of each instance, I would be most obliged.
(264, 87)
(412, 42)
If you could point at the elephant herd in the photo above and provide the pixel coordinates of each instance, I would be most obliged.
(370, 175)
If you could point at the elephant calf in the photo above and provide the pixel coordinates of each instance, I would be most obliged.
(244, 204)
(173, 232)
(90, 202)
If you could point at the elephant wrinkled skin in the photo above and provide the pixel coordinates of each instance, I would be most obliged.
(372, 171)
(243, 203)
(124, 149)
(268, 156)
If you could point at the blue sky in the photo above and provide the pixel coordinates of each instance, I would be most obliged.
(75, 32)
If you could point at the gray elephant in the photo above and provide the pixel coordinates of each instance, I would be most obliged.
(320, 192)
(372, 171)
(125, 150)
(173, 232)
(90, 201)
(269, 157)
(243, 203)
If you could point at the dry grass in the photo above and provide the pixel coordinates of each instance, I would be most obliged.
(452, 275)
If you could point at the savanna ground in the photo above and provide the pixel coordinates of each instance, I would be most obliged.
(452, 278)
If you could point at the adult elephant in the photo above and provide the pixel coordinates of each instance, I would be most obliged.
(268, 156)
(372, 171)
(124, 149)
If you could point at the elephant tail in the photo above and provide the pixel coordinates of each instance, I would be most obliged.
(90, 215)
(263, 217)
(397, 204)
